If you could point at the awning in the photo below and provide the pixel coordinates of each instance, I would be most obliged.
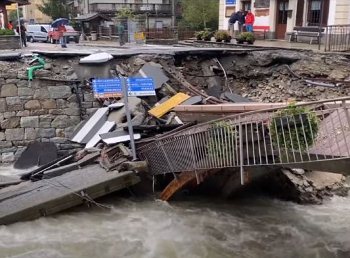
(91, 16)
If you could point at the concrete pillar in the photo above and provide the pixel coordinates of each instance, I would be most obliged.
(293, 5)
(272, 18)
(332, 11)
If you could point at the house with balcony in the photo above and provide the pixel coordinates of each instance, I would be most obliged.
(3, 11)
(159, 13)
(279, 17)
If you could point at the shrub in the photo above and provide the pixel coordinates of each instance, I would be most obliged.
(6, 32)
(293, 127)
(222, 141)
(204, 35)
(246, 37)
(222, 35)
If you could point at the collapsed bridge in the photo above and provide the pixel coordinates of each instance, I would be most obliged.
(314, 135)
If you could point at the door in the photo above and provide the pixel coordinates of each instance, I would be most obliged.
(300, 13)
(282, 17)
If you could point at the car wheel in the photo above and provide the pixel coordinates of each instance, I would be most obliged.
(31, 39)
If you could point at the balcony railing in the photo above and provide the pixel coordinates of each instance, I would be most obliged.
(137, 8)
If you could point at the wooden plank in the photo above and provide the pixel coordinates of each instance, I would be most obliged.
(168, 105)
(29, 201)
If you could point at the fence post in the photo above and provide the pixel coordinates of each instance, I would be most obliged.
(241, 150)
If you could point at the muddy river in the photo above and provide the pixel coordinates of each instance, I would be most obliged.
(251, 226)
(194, 227)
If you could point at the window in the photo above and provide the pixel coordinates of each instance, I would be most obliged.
(318, 10)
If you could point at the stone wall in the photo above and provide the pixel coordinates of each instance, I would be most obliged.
(41, 110)
(10, 42)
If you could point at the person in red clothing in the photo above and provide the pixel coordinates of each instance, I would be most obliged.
(249, 21)
(61, 30)
(10, 25)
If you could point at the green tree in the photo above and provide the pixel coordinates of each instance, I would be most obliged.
(55, 8)
(13, 15)
(201, 14)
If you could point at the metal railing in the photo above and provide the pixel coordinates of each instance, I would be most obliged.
(311, 132)
(337, 38)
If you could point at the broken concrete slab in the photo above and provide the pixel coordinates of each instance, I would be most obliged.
(193, 101)
(88, 129)
(118, 136)
(107, 127)
(137, 112)
(37, 154)
(97, 58)
(155, 71)
(235, 98)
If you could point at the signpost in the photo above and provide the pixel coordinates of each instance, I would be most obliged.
(107, 88)
(127, 87)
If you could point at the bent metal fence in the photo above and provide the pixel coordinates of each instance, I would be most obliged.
(312, 132)
(337, 38)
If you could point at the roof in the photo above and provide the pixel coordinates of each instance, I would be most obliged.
(91, 16)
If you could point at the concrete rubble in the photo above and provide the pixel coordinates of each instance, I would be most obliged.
(94, 131)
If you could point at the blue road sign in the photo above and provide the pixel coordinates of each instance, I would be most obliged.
(141, 86)
(107, 88)
(230, 2)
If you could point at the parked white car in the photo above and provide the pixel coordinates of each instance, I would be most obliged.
(38, 32)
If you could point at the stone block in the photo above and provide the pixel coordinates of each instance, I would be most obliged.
(59, 140)
(48, 104)
(68, 132)
(5, 144)
(2, 136)
(23, 113)
(60, 92)
(73, 105)
(89, 97)
(46, 132)
(61, 121)
(9, 90)
(56, 112)
(25, 98)
(16, 134)
(72, 98)
(86, 104)
(22, 84)
(8, 157)
(38, 112)
(24, 91)
(61, 103)
(12, 122)
(2, 105)
(42, 93)
(60, 133)
(14, 81)
(32, 104)
(30, 133)
(30, 121)
(22, 142)
(72, 111)
(9, 114)
(13, 101)
(15, 107)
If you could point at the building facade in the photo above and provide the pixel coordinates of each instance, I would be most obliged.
(32, 14)
(160, 13)
(281, 16)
